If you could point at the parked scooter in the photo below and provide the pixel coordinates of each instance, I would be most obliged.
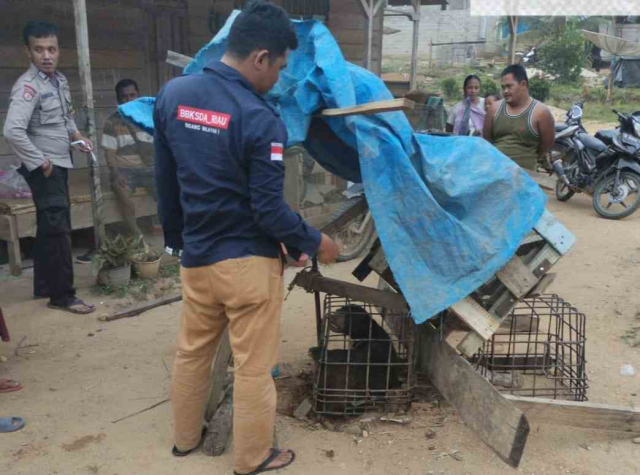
(564, 133)
(606, 167)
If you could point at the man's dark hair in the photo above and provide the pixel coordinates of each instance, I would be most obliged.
(261, 25)
(39, 29)
(518, 71)
(126, 83)
(493, 95)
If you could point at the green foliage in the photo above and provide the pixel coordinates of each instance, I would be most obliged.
(564, 57)
(116, 252)
(539, 88)
(451, 88)
(488, 86)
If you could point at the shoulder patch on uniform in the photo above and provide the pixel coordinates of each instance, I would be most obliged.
(277, 150)
(28, 92)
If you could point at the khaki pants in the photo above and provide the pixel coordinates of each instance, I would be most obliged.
(247, 294)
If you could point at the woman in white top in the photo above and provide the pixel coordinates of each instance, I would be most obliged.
(467, 116)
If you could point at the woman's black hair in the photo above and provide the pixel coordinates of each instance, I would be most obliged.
(466, 81)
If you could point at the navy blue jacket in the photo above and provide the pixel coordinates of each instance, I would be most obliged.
(220, 171)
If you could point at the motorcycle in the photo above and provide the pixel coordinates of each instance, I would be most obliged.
(359, 233)
(530, 57)
(606, 167)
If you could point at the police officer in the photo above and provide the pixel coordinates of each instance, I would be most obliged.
(39, 128)
(220, 176)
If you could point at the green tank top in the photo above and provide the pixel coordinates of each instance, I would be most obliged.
(515, 136)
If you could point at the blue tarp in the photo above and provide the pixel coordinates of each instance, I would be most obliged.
(450, 211)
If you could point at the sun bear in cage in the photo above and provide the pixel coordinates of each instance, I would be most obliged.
(346, 369)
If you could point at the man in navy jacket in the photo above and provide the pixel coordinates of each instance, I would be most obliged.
(220, 178)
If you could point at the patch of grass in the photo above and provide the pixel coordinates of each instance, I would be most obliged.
(172, 270)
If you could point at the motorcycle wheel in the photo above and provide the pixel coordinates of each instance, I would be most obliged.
(563, 192)
(354, 243)
(617, 204)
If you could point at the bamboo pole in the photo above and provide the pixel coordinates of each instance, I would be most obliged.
(84, 66)
(414, 48)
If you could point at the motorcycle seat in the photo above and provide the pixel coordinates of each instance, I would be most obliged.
(561, 127)
(592, 143)
(606, 136)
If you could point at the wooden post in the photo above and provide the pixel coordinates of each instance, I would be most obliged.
(371, 8)
(414, 49)
(513, 28)
(84, 66)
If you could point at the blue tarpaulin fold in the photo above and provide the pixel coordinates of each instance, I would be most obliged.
(450, 211)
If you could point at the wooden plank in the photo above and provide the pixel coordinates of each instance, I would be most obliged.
(544, 181)
(498, 423)
(517, 277)
(541, 287)
(584, 415)
(555, 233)
(476, 317)
(8, 232)
(316, 283)
(371, 108)
(178, 60)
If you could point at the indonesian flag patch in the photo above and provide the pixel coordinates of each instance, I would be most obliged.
(28, 93)
(277, 149)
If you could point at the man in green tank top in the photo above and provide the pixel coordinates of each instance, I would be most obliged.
(519, 126)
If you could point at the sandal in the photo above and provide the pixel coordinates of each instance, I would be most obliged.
(183, 453)
(9, 386)
(76, 306)
(272, 456)
(11, 424)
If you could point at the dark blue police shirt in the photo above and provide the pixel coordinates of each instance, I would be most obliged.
(220, 171)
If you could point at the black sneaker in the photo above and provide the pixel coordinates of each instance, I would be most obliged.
(85, 258)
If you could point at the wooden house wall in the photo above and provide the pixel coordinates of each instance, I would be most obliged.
(128, 39)
(346, 21)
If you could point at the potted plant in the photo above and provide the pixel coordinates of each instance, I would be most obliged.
(146, 262)
(112, 261)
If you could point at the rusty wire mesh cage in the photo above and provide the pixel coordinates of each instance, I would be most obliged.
(365, 361)
(540, 352)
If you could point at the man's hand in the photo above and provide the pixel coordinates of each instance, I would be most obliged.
(86, 147)
(328, 251)
(304, 259)
(47, 168)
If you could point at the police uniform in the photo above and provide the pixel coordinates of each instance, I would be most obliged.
(220, 177)
(38, 126)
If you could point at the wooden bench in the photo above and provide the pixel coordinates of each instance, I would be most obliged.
(18, 216)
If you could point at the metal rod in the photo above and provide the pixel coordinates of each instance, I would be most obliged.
(316, 296)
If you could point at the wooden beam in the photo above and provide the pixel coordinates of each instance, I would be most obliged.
(500, 425)
(371, 108)
(585, 415)
(178, 60)
(313, 282)
(84, 65)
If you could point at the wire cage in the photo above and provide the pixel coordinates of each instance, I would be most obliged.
(540, 352)
(365, 361)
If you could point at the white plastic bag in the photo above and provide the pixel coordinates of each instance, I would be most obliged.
(13, 185)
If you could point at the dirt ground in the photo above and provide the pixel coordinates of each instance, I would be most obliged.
(83, 375)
